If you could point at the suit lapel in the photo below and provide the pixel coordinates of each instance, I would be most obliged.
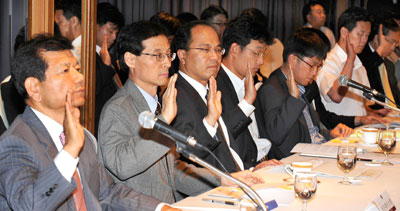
(42, 135)
(227, 86)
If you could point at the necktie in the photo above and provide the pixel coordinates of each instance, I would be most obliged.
(78, 192)
(158, 109)
(385, 84)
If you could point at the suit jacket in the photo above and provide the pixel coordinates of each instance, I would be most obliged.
(236, 121)
(372, 61)
(189, 119)
(280, 116)
(105, 88)
(143, 158)
(329, 119)
(30, 179)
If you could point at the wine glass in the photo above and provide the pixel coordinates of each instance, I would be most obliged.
(346, 161)
(305, 186)
(387, 143)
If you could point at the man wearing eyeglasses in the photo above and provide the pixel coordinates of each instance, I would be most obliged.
(199, 103)
(283, 113)
(144, 159)
(384, 38)
(245, 42)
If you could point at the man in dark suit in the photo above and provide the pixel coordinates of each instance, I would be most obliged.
(245, 42)
(283, 115)
(109, 21)
(199, 103)
(384, 38)
(47, 160)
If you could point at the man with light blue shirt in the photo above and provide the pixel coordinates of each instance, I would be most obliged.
(145, 159)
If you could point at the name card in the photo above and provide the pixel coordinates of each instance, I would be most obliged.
(383, 202)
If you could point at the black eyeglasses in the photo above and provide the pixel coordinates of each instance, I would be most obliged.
(317, 67)
(161, 56)
(218, 50)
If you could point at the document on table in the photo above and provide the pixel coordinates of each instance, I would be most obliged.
(315, 150)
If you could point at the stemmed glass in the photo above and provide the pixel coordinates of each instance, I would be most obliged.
(387, 143)
(346, 161)
(305, 186)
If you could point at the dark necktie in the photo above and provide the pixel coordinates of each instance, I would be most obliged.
(78, 192)
(158, 109)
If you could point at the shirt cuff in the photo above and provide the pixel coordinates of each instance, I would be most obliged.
(246, 107)
(211, 130)
(159, 206)
(66, 164)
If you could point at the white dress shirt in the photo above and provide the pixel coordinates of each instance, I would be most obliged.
(263, 144)
(212, 130)
(64, 162)
(353, 103)
(77, 43)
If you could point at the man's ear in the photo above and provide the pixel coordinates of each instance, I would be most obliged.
(130, 60)
(181, 55)
(292, 59)
(308, 17)
(235, 49)
(32, 88)
(344, 31)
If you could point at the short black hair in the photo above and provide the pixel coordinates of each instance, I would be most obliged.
(307, 9)
(106, 12)
(304, 43)
(387, 24)
(28, 61)
(351, 16)
(242, 30)
(211, 11)
(170, 22)
(131, 37)
(186, 17)
(182, 39)
(256, 15)
(70, 8)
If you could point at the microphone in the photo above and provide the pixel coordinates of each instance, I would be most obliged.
(147, 120)
(345, 81)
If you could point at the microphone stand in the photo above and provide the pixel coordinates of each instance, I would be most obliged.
(260, 203)
(369, 96)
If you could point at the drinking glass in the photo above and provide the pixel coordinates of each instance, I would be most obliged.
(305, 186)
(387, 143)
(346, 161)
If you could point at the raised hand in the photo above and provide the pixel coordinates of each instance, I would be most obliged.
(351, 53)
(74, 133)
(169, 108)
(384, 47)
(104, 54)
(291, 83)
(213, 103)
(250, 89)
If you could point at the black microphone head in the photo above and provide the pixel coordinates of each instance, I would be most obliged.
(343, 80)
(146, 119)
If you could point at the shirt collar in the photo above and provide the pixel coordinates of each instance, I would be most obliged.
(238, 83)
(98, 48)
(77, 41)
(200, 88)
(343, 56)
(151, 101)
(53, 128)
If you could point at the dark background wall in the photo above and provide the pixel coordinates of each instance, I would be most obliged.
(284, 16)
